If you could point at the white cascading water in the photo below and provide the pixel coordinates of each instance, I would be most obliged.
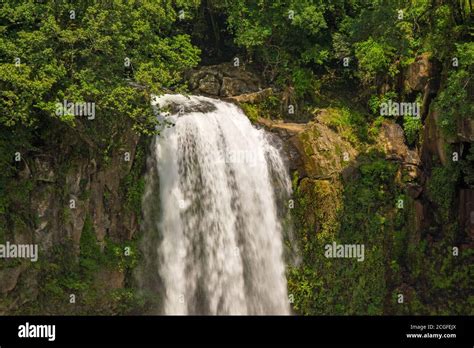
(220, 249)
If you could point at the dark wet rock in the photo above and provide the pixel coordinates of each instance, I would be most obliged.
(223, 80)
(202, 107)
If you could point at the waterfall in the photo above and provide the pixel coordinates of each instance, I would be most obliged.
(213, 236)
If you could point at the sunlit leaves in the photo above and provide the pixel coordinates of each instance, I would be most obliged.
(81, 58)
(373, 57)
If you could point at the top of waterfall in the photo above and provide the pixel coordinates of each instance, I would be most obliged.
(178, 104)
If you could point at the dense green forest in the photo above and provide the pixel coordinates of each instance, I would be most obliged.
(331, 66)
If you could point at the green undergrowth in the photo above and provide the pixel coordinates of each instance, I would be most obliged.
(67, 271)
(133, 185)
(345, 286)
(372, 208)
(268, 108)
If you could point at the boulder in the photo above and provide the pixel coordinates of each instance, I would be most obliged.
(418, 73)
(209, 84)
(231, 86)
(325, 152)
(392, 141)
(223, 80)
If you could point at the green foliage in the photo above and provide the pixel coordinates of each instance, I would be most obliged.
(374, 128)
(267, 108)
(133, 184)
(370, 196)
(439, 277)
(126, 300)
(381, 37)
(373, 57)
(442, 187)
(267, 30)
(83, 59)
(455, 102)
(447, 20)
(14, 194)
(384, 37)
(396, 259)
(63, 274)
(344, 286)
(375, 101)
(411, 126)
(122, 256)
(90, 253)
(251, 111)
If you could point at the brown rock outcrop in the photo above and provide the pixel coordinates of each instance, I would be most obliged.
(223, 80)
(314, 149)
(418, 73)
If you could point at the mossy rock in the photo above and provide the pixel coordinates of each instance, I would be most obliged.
(319, 202)
(324, 152)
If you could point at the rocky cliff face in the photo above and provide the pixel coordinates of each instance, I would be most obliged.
(69, 189)
(439, 151)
